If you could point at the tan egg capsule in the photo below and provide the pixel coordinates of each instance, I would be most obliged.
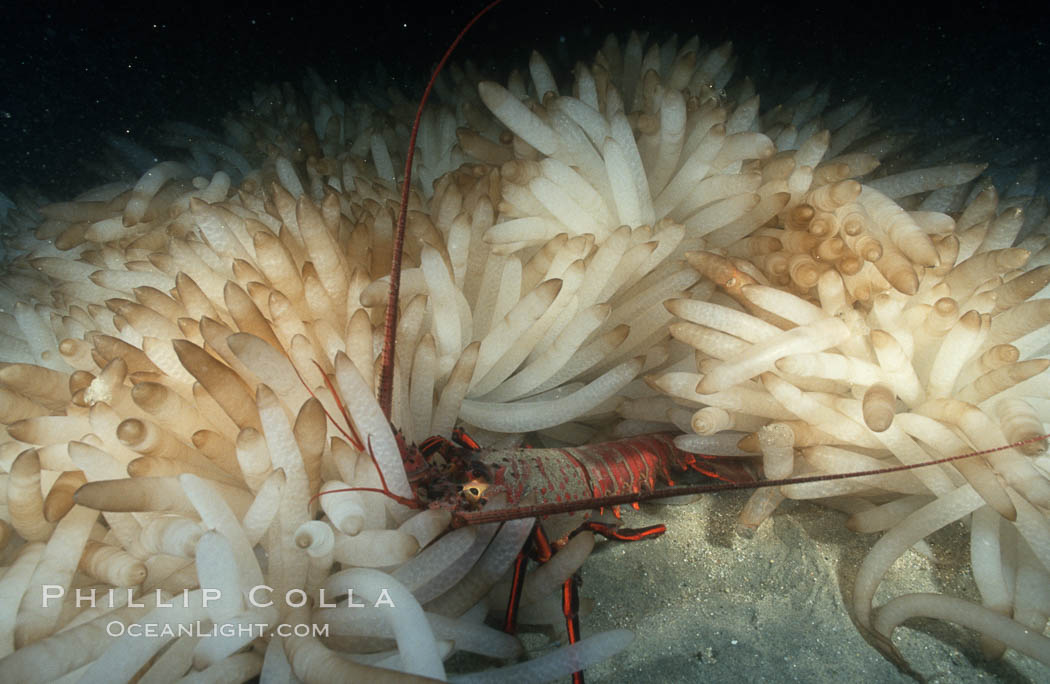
(317, 539)
(270, 366)
(832, 196)
(80, 381)
(310, 432)
(344, 458)
(852, 219)
(25, 502)
(1019, 321)
(823, 225)
(171, 534)
(831, 249)
(878, 407)
(15, 407)
(898, 270)
(714, 343)
(900, 374)
(247, 316)
(132, 495)
(164, 454)
(721, 271)
(788, 307)
(998, 356)
(776, 441)
(763, 244)
(72, 236)
(804, 271)
(36, 382)
(1020, 422)
(253, 457)
(799, 217)
(166, 405)
(760, 506)
(956, 349)
(779, 167)
(224, 386)
(260, 515)
(149, 439)
(76, 353)
(902, 231)
(107, 348)
(219, 450)
(849, 264)
(143, 319)
(520, 171)
(344, 509)
(983, 432)
(933, 223)
(776, 265)
(60, 499)
(375, 548)
(805, 435)
(968, 275)
(245, 274)
(863, 245)
(799, 242)
(710, 420)
(58, 563)
(1002, 232)
(359, 343)
(831, 292)
(428, 525)
(1020, 288)
(481, 148)
(942, 316)
(111, 565)
(277, 264)
(50, 430)
(160, 302)
(215, 335)
(947, 251)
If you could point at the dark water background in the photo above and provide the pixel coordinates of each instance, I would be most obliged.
(70, 76)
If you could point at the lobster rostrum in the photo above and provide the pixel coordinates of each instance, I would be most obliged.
(458, 476)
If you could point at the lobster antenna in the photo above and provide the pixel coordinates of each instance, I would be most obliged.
(386, 377)
(460, 519)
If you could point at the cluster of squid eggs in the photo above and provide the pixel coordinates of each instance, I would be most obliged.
(839, 267)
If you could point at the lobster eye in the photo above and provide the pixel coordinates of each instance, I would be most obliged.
(473, 492)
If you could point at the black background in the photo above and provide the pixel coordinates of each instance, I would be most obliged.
(71, 75)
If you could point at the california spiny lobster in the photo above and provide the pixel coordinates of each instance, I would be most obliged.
(553, 481)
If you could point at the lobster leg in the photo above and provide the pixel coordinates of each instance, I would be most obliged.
(621, 533)
(570, 608)
(538, 548)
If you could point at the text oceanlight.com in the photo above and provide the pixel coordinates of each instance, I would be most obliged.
(253, 630)
(260, 596)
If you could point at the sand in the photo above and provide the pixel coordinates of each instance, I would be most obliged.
(707, 604)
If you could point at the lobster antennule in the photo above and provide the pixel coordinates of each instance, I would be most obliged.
(353, 436)
(386, 377)
(411, 503)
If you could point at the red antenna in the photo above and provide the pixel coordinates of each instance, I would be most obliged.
(386, 377)
(462, 518)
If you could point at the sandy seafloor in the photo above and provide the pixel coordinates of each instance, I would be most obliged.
(709, 605)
